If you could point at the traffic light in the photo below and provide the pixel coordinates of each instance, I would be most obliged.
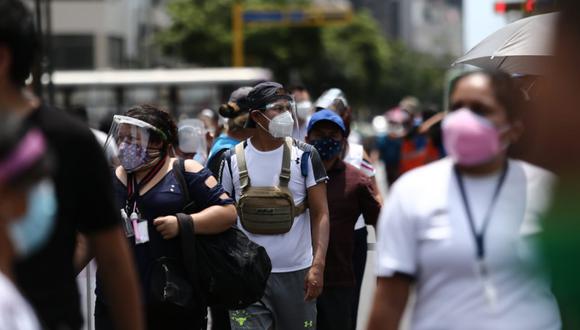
(502, 7)
(529, 6)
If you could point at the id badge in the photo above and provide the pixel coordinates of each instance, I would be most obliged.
(127, 226)
(141, 232)
(489, 289)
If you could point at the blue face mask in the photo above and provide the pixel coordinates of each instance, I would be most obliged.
(29, 233)
(327, 147)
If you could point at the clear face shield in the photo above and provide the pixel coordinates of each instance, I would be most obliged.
(138, 144)
(191, 137)
(285, 120)
(304, 110)
(331, 96)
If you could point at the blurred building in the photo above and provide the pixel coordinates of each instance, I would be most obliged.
(102, 34)
(428, 26)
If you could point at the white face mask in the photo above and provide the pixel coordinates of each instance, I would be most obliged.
(303, 109)
(280, 126)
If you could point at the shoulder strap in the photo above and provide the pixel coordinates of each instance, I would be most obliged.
(214, 163)
(189, 255)
(285, 172)
(304, 162)
(178, 172)
(242, 168)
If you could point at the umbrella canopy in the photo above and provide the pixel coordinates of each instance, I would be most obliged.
(521, 47)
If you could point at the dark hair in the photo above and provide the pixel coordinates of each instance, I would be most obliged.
(80, 112)
(237, 104)
(158, 118)
(504, 88)
(19, 35)
(12, 132)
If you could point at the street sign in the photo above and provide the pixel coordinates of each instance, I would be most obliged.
(281, 16)
(296, 17)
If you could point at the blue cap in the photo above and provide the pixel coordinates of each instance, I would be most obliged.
(328, 115)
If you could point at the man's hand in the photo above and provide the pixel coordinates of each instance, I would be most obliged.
(313, 283)
(167, 226)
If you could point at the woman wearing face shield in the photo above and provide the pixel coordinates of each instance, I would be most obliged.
(192, 140)
(149, 196)
(463, 229)
(25, 196)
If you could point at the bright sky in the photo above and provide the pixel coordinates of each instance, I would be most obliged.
(479, 21)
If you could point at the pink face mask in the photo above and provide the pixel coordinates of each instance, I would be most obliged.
(470, 139)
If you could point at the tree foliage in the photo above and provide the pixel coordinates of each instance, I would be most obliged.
(374, 72)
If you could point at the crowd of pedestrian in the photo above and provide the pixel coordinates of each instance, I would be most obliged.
(288, 178)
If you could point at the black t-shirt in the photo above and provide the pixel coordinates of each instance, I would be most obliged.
(85, 204)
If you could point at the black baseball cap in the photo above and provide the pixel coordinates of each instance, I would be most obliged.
(263, 94)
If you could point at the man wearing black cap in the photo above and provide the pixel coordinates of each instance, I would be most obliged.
(298, 252)
(350, 194)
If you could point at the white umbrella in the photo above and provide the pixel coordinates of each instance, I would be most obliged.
(521, 47)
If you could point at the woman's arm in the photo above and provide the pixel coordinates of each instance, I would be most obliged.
(117, 270)
(211, 220)
(83, 254)
(215, 219)
(389, 304)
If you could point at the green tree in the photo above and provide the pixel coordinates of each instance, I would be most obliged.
(374, 71)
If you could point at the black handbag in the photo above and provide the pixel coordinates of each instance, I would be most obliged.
(174, 280)
(230, 269)
(170, 284)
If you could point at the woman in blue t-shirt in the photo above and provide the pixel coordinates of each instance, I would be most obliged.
(237, 112)
(149, 196)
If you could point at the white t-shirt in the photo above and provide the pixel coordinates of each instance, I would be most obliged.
(355, 157)
(15, 312)
(423, 231)
(291, 251)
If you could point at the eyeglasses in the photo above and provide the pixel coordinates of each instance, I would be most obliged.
(280, 107)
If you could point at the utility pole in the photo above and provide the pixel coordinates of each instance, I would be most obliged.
(42, 71)
(48, 67)
(238, 35)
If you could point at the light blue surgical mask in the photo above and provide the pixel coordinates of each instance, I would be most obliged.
(30, 233)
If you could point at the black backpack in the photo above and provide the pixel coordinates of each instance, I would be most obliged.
(231, 269)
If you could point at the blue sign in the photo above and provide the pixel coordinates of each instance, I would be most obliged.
(294, 16)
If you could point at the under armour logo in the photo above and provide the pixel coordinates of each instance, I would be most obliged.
(308, 324)
(297, 160)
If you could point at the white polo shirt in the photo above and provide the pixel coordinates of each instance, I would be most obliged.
(291, 251)
(423, 231)
(15, 312)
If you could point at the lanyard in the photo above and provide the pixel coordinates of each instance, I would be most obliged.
(479, 236)
(133, 187)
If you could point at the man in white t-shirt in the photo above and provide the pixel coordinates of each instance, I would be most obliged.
(298, 256)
